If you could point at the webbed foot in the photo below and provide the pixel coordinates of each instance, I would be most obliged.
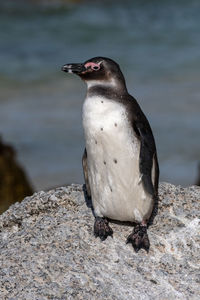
(101, 228)
(139, 238)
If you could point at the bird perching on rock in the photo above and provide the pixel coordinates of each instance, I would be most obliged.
(120, 161)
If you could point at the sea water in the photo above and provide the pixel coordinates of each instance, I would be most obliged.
(156, 43)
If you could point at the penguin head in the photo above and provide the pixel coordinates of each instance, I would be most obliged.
(96, 70)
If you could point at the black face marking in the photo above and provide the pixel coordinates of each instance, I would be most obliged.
(108, 92)
(111, 189)
(104, 162)
(115, 161)
(115, 124)
(101, 101)
(101, 128)
(96, 142)
(102, 68)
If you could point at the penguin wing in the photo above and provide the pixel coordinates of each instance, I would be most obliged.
(85, 173)
(148, 154)
(147, 157)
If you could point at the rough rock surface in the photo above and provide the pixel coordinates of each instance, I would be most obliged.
(48, 250)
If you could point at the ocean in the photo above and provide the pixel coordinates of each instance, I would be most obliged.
(156, 43)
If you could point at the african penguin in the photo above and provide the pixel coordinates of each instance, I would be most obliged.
(120, 161)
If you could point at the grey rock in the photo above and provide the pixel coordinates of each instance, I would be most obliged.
(48, 250)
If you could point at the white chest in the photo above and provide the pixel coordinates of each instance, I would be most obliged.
(113, 160)
(103, 119)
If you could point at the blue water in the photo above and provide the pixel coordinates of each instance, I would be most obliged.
(156, 43)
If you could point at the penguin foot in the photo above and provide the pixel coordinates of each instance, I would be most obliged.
(101, 228)
(139, 238)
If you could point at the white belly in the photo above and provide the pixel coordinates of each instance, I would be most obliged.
(113, 162)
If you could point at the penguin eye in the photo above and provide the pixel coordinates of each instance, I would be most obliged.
(95, 68)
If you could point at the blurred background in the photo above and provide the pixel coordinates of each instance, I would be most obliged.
(156, 43)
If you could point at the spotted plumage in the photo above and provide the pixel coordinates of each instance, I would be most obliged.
(120, 161)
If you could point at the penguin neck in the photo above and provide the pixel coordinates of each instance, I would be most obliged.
(106, 88)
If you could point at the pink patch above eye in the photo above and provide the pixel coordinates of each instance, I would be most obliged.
(93, 65)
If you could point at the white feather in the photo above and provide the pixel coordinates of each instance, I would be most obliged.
(113, 162)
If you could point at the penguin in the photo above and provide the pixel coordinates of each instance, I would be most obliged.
(120, 162)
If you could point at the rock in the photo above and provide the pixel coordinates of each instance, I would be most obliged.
(14, 185)
(48, 250)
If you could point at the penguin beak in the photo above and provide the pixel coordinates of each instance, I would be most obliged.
(74, 68)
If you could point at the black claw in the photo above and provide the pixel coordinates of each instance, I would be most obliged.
(102, 229)
(139, 238)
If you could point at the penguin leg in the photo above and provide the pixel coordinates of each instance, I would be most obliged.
(139, 237)
(102, 228)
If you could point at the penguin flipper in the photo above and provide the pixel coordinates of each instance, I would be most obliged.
(147, 155)
(85, 173)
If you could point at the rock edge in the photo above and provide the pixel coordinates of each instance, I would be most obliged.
(48, 250)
